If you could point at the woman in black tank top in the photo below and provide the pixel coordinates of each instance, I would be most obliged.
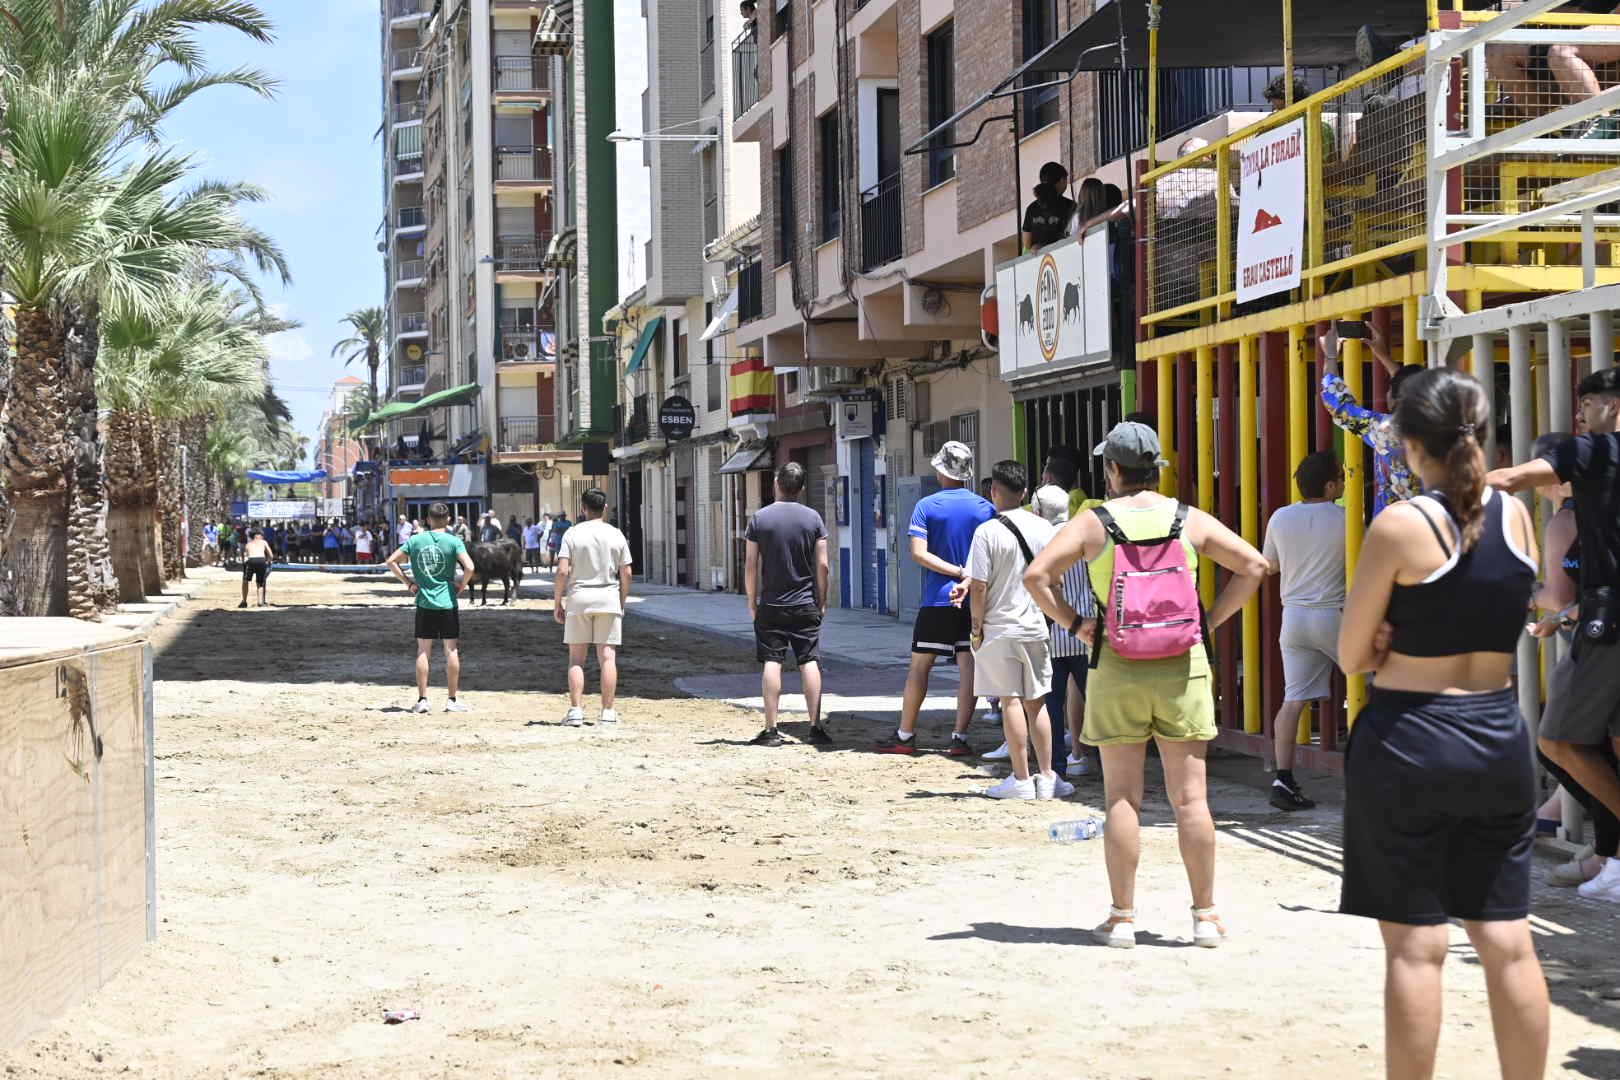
(1439, 787)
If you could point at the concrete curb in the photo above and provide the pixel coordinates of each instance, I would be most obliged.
(145, 617)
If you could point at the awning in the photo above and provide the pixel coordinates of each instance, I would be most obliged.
(276, 476)
(1233, 33)
(717, 325)
(456, 395)
(552, 35)
(747, 457)
(562, 250)
(392, 411)
(648, 336)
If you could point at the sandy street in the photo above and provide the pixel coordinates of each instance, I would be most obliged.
(665, 901)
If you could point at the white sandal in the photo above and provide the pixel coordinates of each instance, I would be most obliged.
(1119, 932)
(1208, 930)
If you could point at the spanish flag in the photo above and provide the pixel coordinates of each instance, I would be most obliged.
(753, 387)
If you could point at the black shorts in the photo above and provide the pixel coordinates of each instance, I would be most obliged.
(438, 624)
(942, 631)
(256, 570)
(778, 629)
(1439, 809)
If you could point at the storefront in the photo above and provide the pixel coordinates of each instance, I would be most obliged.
(411, 489)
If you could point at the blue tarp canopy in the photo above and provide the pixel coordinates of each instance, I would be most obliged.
(272, 476)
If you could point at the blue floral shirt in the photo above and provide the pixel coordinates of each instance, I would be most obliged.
(1393, 480)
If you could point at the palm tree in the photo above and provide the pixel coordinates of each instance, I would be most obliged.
(370, 328)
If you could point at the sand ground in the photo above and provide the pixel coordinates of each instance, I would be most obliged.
(666, 901)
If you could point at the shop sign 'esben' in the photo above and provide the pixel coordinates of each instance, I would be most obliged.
(676, 418)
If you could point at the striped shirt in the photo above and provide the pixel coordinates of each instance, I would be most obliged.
(1077, 591)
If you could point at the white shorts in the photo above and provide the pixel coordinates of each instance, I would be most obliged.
(1007, 667)
(1310, 652)
(593, 628)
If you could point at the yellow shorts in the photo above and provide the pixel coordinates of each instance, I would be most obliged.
(593, 628)
(1132, 701)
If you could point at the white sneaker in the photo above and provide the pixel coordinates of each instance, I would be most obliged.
(1013, 788)
(1119, 932)
(574, 717)
(1000, 753)
(609, 716)
(1052, 786)
(1572, 873)
(421, 706)
(1077, 766)
(1208, 932)
(456, 705)
(1606, 886)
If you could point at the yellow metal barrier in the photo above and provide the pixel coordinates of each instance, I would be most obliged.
(1355, 509)
(1249, 484)
(1205, 362)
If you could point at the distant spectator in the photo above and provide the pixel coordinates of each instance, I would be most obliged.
(1046, 220)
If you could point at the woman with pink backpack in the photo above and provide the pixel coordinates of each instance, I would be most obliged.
(1151, 673)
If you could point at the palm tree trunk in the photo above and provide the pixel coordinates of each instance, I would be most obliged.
(8, 598)
(89, 557)
(36, 463)
(194, 434)
(149, 530)
(126, 514)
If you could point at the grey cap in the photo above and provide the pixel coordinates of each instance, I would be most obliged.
(955, 460)
(1132, 445)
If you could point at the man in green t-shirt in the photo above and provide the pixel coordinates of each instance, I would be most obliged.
(434, 554)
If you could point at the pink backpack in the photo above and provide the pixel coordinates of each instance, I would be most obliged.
(1152, 610)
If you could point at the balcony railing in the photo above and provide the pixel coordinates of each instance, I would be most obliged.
(523, 163)
(637, 428)
(745, 70)
(407, 110)
(408, 164)
(412, 322)
(404, 9)
(521, 254)
(706, 69)
(750, 292)
(520, 347)
(407, 59)
(412, 217)
(521, 74)
(410, 269)
(414, 375)
(520, 434)
(880, 222)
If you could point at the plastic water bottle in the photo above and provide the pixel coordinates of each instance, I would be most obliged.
(1067, 832)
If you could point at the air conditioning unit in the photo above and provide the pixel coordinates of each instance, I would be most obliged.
(905, 400)
(826, 379)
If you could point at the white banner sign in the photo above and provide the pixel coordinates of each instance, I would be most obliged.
(1053, 308)
(1271, 212)
(281, 509)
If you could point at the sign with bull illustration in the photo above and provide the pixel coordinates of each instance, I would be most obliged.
(1053, 308)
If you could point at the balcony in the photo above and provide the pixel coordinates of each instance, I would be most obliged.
(407, 166)
(406, 62)
(521, 254)
(525, 434)
(880, 223)
(523, 164)
(711, 218)
(408, 9)
(411, 322)
(745, 70)
(706, 69)
(521, 75)
(409, 271)
(636, 427)
(411, 217)
(750, 292)
(414, 375)
(404, 112)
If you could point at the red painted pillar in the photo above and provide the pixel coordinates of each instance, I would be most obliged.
(1324, 423)
(1275, 493)
(1147, 388)
(1380, 377)
(1186, 428)
(1226, 444)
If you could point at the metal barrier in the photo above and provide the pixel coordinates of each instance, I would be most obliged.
(745, 70)
(880, 223)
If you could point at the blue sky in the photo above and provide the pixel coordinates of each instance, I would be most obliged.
(314, 150)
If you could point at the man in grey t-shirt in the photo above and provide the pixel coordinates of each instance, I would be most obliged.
(786, 578)
(1305, 544)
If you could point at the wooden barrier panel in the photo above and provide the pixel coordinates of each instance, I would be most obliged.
(77, 887)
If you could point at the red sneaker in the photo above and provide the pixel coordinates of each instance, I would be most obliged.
(960, 748)
(896, 745)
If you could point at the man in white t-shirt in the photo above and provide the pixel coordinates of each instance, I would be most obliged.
(531, 544)
(362, 545)
(592, 584)
(403, 532)
(1011, 654)
(1305, 544)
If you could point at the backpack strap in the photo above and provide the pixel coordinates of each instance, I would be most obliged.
(1179, 521)
(1110, 526)
(1023, 545)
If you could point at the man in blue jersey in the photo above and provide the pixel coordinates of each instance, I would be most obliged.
(942, 528)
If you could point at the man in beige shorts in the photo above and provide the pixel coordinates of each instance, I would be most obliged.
(592, 585)
(1011, 656)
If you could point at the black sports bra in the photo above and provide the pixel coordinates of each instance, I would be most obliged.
(1476, 601)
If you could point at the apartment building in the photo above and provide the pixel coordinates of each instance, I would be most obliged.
(336, 450)
(470, 108)
(675, 333)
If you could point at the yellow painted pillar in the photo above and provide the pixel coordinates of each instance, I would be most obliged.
(1298, 404)
(1411, 344)
(1205, 361)
(1355, 509)
(1164, 369)
(1249, 500)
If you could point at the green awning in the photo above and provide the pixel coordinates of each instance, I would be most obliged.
(390, 412)
(456, 395)
(648, 336)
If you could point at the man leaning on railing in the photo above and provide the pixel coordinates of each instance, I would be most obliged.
(1393, 480)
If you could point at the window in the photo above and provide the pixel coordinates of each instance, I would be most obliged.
(711, 195)
(784, 205)
(941, 102)
(1040, 30)
(677, 329)
(831, 177)
(714, 371)
(783, 20)
(706, 53)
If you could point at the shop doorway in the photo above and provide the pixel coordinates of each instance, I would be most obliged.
(1077, 418)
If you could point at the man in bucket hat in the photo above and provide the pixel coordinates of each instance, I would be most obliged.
(942, 528)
